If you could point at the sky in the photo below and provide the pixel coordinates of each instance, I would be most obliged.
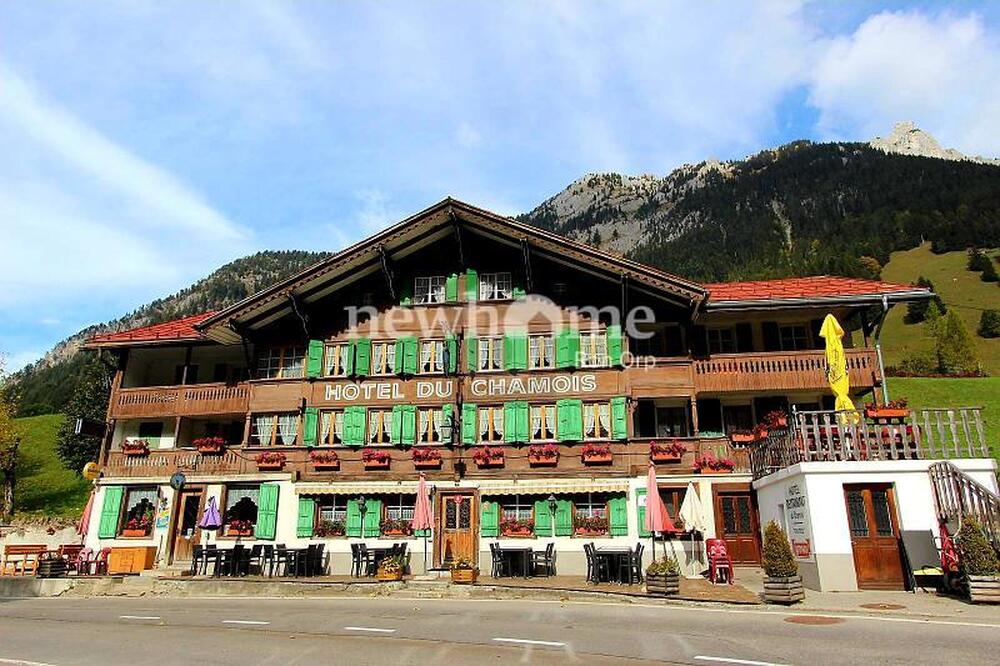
(144, 144)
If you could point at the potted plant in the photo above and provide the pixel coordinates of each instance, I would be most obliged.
(590, 526)
(239, 528)
(775, 419)
(325, 459)
(463, 572)
(210, 445)
(671, 452)
(425, 457)
(391, 568)
(488, 456)
(663, 576)
(978, 563)
(894, 409)
(138, 526)
(596, 454)
(708, 463)
(330, 528)
(543, 454)
(396, 527)
(270, 461)
(782, 582)
(742, 436)
(517, 527)
(135, 447)
(376, 458)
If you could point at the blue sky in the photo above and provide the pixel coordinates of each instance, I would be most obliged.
(145, 144)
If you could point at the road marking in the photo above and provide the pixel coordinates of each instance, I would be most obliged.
(139, 617)
(250, 622)
(526, 641)
(23, 662)
(375, 630)
(745, 662)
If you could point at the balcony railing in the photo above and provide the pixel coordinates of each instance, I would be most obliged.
(190, 400)
(779, 371)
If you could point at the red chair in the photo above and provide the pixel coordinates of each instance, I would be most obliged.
(719, 561)
(100, 563)
(83, 560)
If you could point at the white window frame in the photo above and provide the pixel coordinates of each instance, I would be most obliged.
(490, 356)
(383, 358)
(378, 427)
(433, 352)
(430, 421)
(400, 506)
(590, 508)
(335, 359)
(282, 363)
(496, 286)
(333, 509)
(277, 419)
(594, 350)
(429, 289)
(600, 428)
(328, 420)
(516, 508)
(545, 416)
(491, 424)
(541, 352)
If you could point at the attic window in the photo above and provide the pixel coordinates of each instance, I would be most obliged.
(429, 289)
(495, 287)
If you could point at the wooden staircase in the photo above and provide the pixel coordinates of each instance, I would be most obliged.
(957, 495)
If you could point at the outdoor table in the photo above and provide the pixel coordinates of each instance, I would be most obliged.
(293, 557)
(524, 553)
(613, 554)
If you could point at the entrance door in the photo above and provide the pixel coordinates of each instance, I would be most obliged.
(457, 528)
(736, 521)
(187, 534)
(871, 516)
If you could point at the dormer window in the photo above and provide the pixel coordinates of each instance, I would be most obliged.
(495, 287)
(429, 289)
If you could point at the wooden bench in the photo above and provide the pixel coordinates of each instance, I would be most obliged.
(21, 559)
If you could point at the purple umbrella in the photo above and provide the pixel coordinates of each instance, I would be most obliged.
(211, 520)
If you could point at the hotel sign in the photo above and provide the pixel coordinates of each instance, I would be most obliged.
(797, 515)
(424, 389)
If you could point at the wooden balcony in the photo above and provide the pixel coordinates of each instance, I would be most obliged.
(779, 371)
(192, 400)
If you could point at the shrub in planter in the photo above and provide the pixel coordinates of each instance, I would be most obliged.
(782, 582)
(463, 572)
(707, 462)
(391, 568)
(426, 457)
(139, 526)
(488, 456)
(273, 460)
(671, 452)
(978, 562)
(663, 576)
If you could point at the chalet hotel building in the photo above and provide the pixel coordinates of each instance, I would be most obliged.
(529, 377)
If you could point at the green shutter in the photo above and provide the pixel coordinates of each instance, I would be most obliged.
(489, 522)
(515, 422)
(569, 415)
(406, 356)
(619, 418)
(451, 344)
(373, 518)
(267, 511)
(396, 431)
(567, 348)
(110, 511)
(471, 354)
(307, 514)
(352, 347)
(309, 426)
(515, 351)
(470, 424)
(409, 433)
(362, 357)
(618, 516)
(471, 286)
(451, 288)
(640, 512)
(314, 362)
(543, 519)
(353, 527)
(616, 346)
(524, 422)
(564, 517)
(355, 419)
(448, 416)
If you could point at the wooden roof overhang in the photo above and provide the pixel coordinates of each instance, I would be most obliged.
(846, 301)
(417, 232)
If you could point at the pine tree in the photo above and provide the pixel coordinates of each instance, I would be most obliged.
(90, 401)
(989, 324)
(778, 559)
(9, 442)
(956, 354)
(916, 311)
(989, 273)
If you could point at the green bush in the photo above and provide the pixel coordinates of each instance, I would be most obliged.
(989, 273)
(976, 553)
(956, 354)
(778, 559)
(664, 566)
(978, 261)
(989, 324)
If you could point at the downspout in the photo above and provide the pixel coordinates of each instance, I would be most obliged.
(878, 349)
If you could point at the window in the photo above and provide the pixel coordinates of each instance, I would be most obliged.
(429, 289)
(721, 341)
(140, 509)
(593, 350)
(671, 422)
(794, 337)
(274, 429)
(399, 507)
(672, 499)
(337, 360)
(432, 356)
(331, 428)
(495, 286)
(597, 420)
(490, 353)
(151, 431)
(379, 426)
(383, 358)
(543, 423)
(515, 507)
(281, 363)
(541, 352)
(491, 424)
(332, 508)
(591, 506)
(241, 510)
(429, 422)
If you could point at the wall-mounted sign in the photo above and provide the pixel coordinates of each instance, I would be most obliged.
(423, 389)
(523, 386)
(797, 515)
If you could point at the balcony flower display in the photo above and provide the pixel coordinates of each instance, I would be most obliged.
(396, 527)
(671, 452)
(330, 528)
(708, 462)
(375, 458)
(596, 454)
(325, 459)
(517, 527)
(543, 454)
(239, 528)
(210, 445)
(270, 460)
(894, 409)
(425, 457)
(743, 436)
(135, 447)
(488, 456)
(138, 526)
(775, 419)
(590, 526)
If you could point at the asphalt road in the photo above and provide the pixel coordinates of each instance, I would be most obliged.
(425, 631)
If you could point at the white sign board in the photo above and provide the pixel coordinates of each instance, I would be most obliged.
(797, 515)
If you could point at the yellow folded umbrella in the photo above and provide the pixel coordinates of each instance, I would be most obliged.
(836, 364)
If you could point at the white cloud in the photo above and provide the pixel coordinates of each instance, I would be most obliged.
(467, 136)
(940, 70)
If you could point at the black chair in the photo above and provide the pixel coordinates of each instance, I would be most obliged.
(211, 554)
(282, 560)
(545, 560)
(197, 560)
(301, 561)
(635, 564)
(501, 567)
(356, 561)
(596, 565)
(267, 559)
(255, 560)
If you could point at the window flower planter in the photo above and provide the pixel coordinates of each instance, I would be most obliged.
(131, 534)
(743, 436)
(270, 461)
(210, 445)
(707, 463)
(488, 456)
(894, 409)
(666, 453)
(135, 448)
(239, 528)
(426, 458)
(325, 460)
(375, 459)
(544, 455)
(396, 527)
(595, 526)
(589, 532)
(596, 454)
(515, 528)
(239, 533)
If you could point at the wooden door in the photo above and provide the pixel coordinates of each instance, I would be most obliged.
(871, 517)
(187, 534)
(736, 522)
(457, 527)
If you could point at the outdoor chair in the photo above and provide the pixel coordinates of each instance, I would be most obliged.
(211, 554)
(633, 565)
(318, 565)
(69, 553)
(719, 562)
(197, 560)
(595, 565)
(267, 559)
(545, 560)
(99, 566)
(83, 559)
(255, 561)
(282, 560)
(500, 566)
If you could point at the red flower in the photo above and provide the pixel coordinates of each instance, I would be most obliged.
(425, 454)
(546, 451)
(270, 458)
(375, 455)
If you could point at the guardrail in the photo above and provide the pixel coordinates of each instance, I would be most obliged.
(779, 370)
(193, 399)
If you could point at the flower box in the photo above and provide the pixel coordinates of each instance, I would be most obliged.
(886, 413)
(131, 534)
(672, 452)
(135, 448)
(325, 460)
(706, 470)
(590, 532)
(376, 459)
(518, 532)
(426, 458)
(543, 455)
(464, 576)
(270, 461)
(742, 437)
(389, 575)
(239, 532)
(210, 445)
(380, 463)
(707, 463)
(596, 454)
(488, 456)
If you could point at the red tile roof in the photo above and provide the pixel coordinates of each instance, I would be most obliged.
(819, 286)
(177, 329)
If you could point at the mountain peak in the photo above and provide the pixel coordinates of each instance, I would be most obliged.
(908, 139)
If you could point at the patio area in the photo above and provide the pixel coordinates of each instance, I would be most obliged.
(692, 589)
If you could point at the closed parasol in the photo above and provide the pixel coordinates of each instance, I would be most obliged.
(211, 520)
(422, 515)
(657, 518)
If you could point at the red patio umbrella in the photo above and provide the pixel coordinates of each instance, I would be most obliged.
(657, 518)
(422, 515)
(83, 526)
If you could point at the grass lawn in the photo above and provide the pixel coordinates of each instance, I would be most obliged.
(44, 486)
(960, 289)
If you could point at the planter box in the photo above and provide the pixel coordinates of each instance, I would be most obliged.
(539, 461)
(331, 466)
(706, 470)
(389, 576)
(464, 576)
(490, 462)
(665, 457)
(518, 534)
(427, 464)
(598, 458)
(396, 533)
(663, 584)
(270, 467)
(210, 450)
(886, 413)
(783, 590)
(131, 534)
(983, 589)
(742, 438)
(590, 533)
(377, 464)
(135, 453)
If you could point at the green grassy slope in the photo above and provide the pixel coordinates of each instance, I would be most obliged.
(960, 289)
(44, 486)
